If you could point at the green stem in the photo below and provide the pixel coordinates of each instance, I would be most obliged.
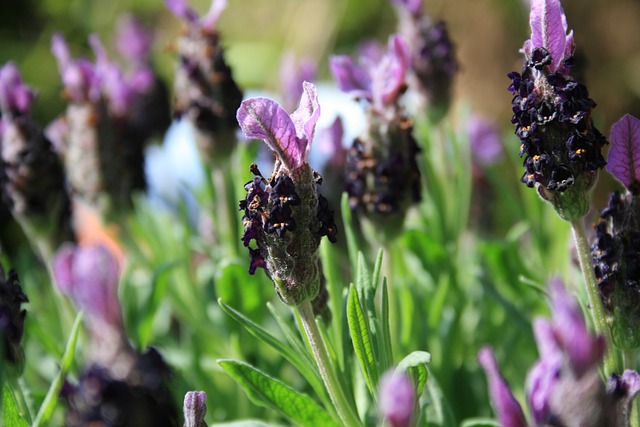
(327, 372)
(597, 309)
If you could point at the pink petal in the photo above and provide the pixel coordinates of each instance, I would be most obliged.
(391, 75)
(305, 118)
(62, 268)
(549, 29)
(507, 408)
(182, 10)
(624, 156)
(350, 77)
(209, 21)
(263, 118)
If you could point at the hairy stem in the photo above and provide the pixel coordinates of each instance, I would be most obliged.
(327, 372)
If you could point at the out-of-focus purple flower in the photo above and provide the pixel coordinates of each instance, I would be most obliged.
(137, 397)
(396, 399)
(207, 22)
(564, 386)
(485, 141)
(32, 181)
(381, 83)
(195, 409)
(206, 93)
(329, 145)
(15, 96)
(507, 408)
(292, 74)
(11, 323)
(624, 156)
(549, 31)
(90, 276)
(614, 254)
(79, 77)
(133, 41)
(552, 114)
(286, 215)
(433, 58)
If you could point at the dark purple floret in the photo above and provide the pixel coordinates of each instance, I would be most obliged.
(552, 113)
(141, 399)
(615, 253)
(11, 320)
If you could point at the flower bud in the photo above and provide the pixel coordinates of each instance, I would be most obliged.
(397, 399)
(195, 408)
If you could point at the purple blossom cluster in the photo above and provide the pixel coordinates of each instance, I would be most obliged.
(285, 215)
(552, 114)
(564, 386)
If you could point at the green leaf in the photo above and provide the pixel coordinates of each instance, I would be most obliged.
(387, 349)
(361, 338)
(159, 286)
(10, 411)
(269, 392)
(246, 423)
(376, 271)
(50, 400)
(415, 366)
(480, 422)
(297, 355)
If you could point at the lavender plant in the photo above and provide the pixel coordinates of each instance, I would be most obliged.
(352, 336)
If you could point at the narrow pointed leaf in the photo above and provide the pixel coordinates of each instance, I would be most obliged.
(624, 156)
(271, 393)
(10, 412)
(51, 399)
(361, 338)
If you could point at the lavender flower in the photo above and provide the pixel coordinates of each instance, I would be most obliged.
(101, 148)
(206, 93)
(552, 114)
(150, 113)
(141, 398)
(120, 387)
(285, 214)
(397, 399)
(32, 181)
(433, 56)
(195, 408)
(564, 386)
(90, 276)
(382, 175)
(11, 323)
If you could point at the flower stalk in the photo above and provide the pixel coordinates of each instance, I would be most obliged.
(597, 310)
(327, 371)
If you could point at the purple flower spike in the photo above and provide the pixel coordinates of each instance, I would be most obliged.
(549, 30)
(506, 406)
(195, 408)
(397, 398)
(624, 156)
(288, 136)
(90, 275)
(15, 96)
